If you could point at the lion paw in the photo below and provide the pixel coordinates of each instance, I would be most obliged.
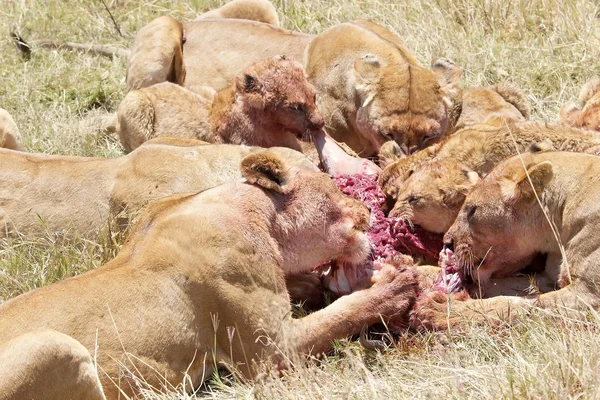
(437, 311)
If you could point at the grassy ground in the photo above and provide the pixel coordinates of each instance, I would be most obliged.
(547, 47)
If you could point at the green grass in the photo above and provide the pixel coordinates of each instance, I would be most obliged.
(548, 48)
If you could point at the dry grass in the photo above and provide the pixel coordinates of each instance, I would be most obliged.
(547, 47)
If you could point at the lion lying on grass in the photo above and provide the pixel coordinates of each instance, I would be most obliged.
(269, 104)
(501, 227)
(200, 283)
(78, 196)
(460, 158)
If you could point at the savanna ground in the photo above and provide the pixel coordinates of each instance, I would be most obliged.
(547, 47)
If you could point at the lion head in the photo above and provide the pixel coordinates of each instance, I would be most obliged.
(280, 94)
(495, 230)
(405, 103)
(493, 104)
(433, 195)
(586, 112)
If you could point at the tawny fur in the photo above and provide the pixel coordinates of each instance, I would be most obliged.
(586, 113)
(494, 104)
(481, 147)
(200, 283)
(10, 137)
(156, 54)
(78, 197)
(47, 365)
(371, 89)
(501, 227)
(255, 10)
(269, 104)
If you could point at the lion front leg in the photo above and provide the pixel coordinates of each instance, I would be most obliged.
(439, 311)
(390, 297)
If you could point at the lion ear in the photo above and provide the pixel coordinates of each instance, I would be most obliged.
(571, 115)
(448, 76)
(529, 185)
(248, 83)
(265, 169)
(367, 73)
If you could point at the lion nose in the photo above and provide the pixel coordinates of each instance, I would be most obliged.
(448, 242)
(316, 122)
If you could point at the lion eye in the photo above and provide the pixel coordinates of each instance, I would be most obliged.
(295, 107)
(412, 199)
(434, 134)
(471, 212)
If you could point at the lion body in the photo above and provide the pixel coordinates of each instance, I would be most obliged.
(208, 272)
(369, 85)
(501, 227)
(78, 196)
(269, 104)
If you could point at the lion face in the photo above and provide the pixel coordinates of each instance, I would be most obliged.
(319, 223)
(495, 228)
(432, 196)
(405, 103)
(280, 94)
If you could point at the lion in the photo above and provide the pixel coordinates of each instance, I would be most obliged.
(432, 196)
(69, 196)
(156, 55)
(200, 283)
(585, 113)
(371, 89)
(490, 105)
(49, 365)
(493, 104)
(505, 221)
(255, 10)
(269, 104)
(480, 148)
(10, 137)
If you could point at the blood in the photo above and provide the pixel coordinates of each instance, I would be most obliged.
(389, 237)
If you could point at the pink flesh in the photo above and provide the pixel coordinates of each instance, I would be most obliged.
(451, 277)
(388, 236)
(337, 162)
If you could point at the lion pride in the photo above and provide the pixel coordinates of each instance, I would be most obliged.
(505, 221)
(200, 283)
(371, 89)
(268, 104)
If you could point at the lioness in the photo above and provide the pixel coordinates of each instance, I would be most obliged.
(501, 226)
(371, 89)
(255, 10)
(9, 132)
(269, 104)
(78, 196)
(586, 112)
(481, 147)
(47, 365)
(200, 283)
(495, 104)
